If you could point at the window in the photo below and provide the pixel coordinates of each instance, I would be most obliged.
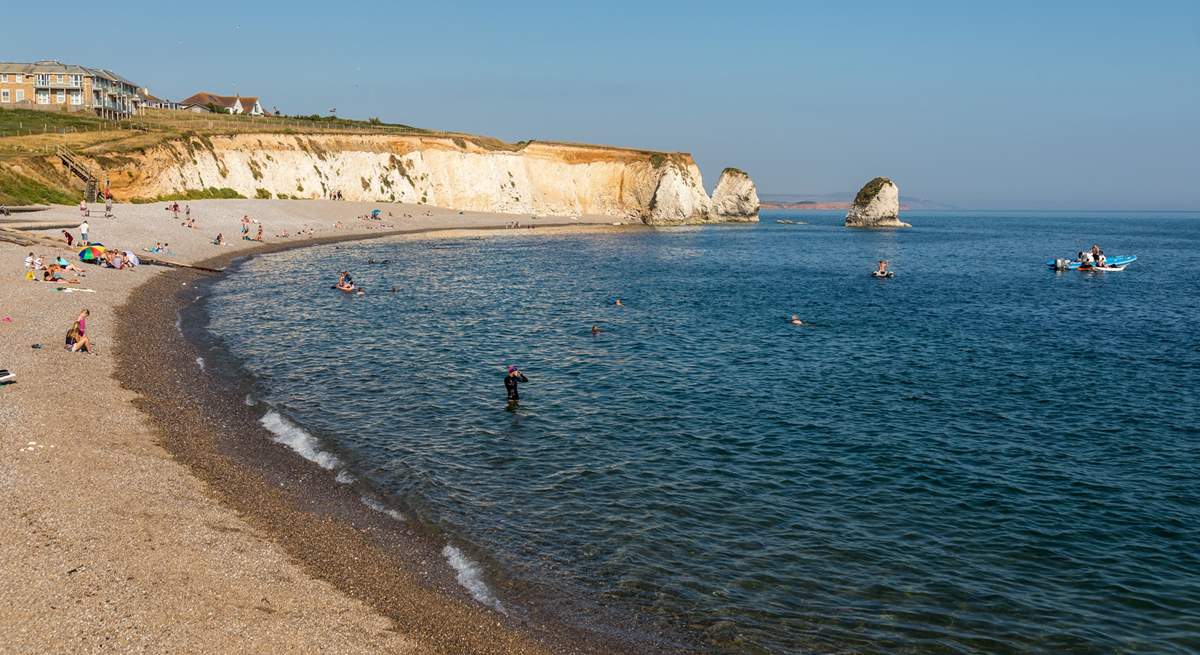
(43, 97)
(4, 95)
(60, 97)
(76, 98)
(3, 77)
(61, 78)
(19, 78)
(43, 79)
(20, 95)
(76, 80)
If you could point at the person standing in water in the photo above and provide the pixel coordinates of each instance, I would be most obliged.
(514, 377)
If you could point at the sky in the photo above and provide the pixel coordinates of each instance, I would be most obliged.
(1038, 105)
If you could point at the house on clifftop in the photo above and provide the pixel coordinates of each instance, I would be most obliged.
(237, 105)
(55, 86)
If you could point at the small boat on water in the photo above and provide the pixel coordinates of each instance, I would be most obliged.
(1115, 263)
(785, 221)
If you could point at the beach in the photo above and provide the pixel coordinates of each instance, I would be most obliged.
(122, 535)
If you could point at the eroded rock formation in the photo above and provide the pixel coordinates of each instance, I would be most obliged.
(876, 205)
(735, 198)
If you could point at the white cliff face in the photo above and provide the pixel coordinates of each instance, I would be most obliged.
(457, 173)
(735, 198)
(876, 205)
(679, 197)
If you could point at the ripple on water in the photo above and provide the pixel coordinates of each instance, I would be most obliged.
(961, 460)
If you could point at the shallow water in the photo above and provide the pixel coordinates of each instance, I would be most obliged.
(979, 455)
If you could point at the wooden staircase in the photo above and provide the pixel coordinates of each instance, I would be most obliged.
(91, 183)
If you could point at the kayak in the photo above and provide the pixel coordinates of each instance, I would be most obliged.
(1117, 262)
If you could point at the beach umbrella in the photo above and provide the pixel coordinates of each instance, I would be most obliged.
(91, 252)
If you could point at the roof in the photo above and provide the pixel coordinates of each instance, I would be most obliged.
(57, 67)
(205, 98)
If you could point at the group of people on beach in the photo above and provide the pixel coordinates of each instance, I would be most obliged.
(86, 212)
(38, 269)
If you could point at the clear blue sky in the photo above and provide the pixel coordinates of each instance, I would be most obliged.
(980, 105)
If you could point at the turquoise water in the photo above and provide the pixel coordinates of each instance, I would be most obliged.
(979, 455)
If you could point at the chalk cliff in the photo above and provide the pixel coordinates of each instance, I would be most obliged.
(876, 205)
(468, 173)
(735, 198)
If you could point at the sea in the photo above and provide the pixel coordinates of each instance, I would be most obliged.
(979, 455)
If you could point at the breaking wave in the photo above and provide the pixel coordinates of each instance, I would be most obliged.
(470, 576)
(292, 436)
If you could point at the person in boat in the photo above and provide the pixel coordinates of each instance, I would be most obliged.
(882, 269)
(345, 282)
(795, 320)
(1085, 258)
(514, 377)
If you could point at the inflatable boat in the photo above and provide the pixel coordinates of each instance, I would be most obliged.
(1115, 263)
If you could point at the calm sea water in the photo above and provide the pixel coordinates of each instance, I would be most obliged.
(979, 455)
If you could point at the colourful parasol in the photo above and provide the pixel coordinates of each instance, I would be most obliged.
(91, 252)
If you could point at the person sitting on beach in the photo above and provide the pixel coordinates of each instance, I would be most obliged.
(68, 266)
(77, 338)
(219, 240)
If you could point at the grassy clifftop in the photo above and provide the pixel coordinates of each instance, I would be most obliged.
(30, 173)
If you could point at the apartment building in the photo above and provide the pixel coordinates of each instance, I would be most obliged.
(53, 85)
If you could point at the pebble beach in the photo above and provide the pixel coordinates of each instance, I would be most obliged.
(116, 542)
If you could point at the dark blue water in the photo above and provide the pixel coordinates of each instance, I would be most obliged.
(980, 455)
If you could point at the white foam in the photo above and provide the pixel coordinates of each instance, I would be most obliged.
(178, 323)
(250, 401)
(470, 576)
(381, 508)
(290, 435)
(344, 477)
(200, 363)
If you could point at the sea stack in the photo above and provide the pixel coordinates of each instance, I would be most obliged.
(735, 199)
(876, 205)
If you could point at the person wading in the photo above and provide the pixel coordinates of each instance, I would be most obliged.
(514, 377)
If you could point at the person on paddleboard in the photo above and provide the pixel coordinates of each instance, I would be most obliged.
(514, 377)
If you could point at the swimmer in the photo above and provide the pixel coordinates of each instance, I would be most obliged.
(795, 320)
(882, 270)
(595, 330)
(618, 303)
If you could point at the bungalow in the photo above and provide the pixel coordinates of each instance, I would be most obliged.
(230, 104)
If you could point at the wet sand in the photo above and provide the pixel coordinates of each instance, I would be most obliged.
(145, 512)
